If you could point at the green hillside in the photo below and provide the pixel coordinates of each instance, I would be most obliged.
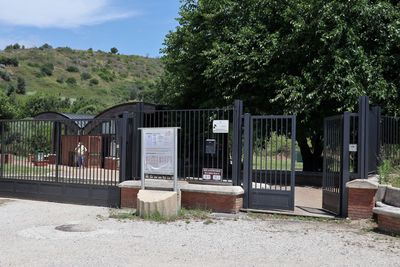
(103, 77)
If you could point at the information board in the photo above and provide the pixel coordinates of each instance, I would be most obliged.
(159, 152)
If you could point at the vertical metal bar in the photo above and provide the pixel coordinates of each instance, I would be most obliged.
(325, 155)
(123, 151)
(2, 151)
(345, 174)
(247, 161)
(293, 170)
(363, 136)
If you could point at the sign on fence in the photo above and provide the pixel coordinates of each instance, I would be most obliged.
(160, 152)
(212, 174)
(220, 126)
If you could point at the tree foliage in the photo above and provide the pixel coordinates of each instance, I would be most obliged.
(313, 58)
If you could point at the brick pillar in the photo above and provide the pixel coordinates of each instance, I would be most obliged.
(361, 198)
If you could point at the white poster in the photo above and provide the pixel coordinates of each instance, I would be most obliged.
(220, 126)
(159, 150)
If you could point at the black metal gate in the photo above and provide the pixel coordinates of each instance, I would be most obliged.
(335, 170)
(74, 161)
(269, 162)
(351, 151)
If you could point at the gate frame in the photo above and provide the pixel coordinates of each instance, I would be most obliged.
(248, 159)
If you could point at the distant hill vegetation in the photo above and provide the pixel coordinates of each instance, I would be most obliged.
(96, 78)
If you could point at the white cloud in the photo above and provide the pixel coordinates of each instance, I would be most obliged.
(58, 13)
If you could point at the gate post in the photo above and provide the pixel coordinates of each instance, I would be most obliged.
(363, 112)
(247, 160)
(138, 121)
(57, 129)
(123, 152)
(345, 173)
(2, 150)
(237, 142)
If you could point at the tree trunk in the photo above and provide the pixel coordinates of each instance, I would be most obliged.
(312, 158)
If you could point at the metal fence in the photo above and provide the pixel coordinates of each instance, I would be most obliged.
(333, 128)
(64, 151)
(196, 131)
(390, 139)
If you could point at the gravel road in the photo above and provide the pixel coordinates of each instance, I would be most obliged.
(36, 233)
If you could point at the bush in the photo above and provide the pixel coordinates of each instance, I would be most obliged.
(86, 76)
(72, 69)
(106, 75)
(47, 69)
(94, 81)
(10, 90)
(9, 61)
(60, 80)
(114, 50)
(45, 46)
(21, 86)
(71, 81)
(5, 76)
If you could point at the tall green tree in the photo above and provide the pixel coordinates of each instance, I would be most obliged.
(313, 58)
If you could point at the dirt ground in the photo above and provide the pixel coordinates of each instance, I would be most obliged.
(36, 233)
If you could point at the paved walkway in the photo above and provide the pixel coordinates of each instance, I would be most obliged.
(36, 233)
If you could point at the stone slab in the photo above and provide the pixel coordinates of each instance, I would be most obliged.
(362, 184)
(388, 211)
(164, 203)
(186, 187)
(392, 196)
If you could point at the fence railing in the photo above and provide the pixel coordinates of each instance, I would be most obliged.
(195, 134)
(66, 151)
(390, 139)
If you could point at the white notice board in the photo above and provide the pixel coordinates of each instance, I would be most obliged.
(220, 126)
(159, 151)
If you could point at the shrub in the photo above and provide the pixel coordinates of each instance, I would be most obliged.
(10, 90)
(60, 80)
(71, 81)
(114, 50)
(21, 86)
(85, 76)
(94, 81)
(72, 69)
(5, 76)
(106, 75)
(47, 69)
(45, 46)
(9, 61)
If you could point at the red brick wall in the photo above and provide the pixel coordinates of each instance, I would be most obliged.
(214, 202)
(360, 203)
(129, 197)
(209, 201)
(389, 224)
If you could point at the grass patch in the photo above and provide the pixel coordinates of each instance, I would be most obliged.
(267, 216)
(186, 215)
(389, 173)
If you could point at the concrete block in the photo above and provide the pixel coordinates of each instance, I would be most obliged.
(150, 202)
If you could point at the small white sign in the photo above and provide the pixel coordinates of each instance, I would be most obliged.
(353, 147)
(221, 126)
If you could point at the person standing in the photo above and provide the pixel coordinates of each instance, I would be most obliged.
(80, 152)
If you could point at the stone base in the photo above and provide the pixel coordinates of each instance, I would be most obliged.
(164, 203)
(361, 198)
(388, 224)
(217, 198)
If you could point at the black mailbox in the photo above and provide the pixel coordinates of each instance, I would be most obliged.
(210, 146)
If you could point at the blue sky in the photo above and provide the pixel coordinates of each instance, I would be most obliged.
(133, 26)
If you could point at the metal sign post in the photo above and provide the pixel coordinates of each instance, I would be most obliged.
(159, 153)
